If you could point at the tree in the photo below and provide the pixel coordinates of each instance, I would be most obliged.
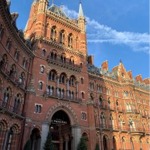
(97, 146)
(28, 145)
(48, 144)
(82, 144)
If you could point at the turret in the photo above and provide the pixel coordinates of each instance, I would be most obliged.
(42, 6)
(81, 18)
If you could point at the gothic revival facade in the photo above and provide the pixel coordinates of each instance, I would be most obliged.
(48, 83)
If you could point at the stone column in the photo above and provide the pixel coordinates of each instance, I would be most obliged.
(66, 143)
(57, 85)
(44, 133)
(76, 133)
(67, 84)
(77, 90)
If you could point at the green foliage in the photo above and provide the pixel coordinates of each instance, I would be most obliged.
(28, 145)
(97, 146)
(82, 144)
(48, 144)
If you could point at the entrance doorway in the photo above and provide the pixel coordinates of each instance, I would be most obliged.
(60, 129)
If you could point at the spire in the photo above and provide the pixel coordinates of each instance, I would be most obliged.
(81, 14)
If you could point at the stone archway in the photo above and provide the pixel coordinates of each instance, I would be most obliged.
(60, 117)
(60, 129)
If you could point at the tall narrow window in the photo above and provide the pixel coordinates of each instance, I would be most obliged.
(8, 44)
(40, 85)
(70, 40)
(16, 55)
(53, 33)
(42, 69)
(62, 36)
(43, 52)
(9, 139)
(17, 103)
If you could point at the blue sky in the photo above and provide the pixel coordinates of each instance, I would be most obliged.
(116, 30)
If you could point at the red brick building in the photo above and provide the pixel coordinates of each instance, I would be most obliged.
(49, 83)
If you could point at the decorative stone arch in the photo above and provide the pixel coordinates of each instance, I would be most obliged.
(67, 109)
(3, 125)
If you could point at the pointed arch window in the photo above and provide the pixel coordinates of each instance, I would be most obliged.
(8, 44)
(40, 85)
(103, 121)
(62, 37)
(52, 75)
(12, 72)
(63, 58)
(42, 69)
(82, 95)
(72, 81)
(6, 96)
(105, 143)
(17, 103)
(50, 90)
(16, 55)
(70, 40)
(53, 33)
(62, 78)
(53, 55)
(43, 52)
(71, 61)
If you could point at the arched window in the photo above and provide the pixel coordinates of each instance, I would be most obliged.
(17, 103)
(16, 55)
(82, 81)
(103, 121)
(132, 144)
(105, 145)
(62, 78)
(50, 90)
(40, 85)
(21, 79)
(82, 95)
(62, 37)
(71, 61)
(42, 69)
(8, 44)
(114, 144)
(6, 97)
(123, 143)
(43, 52)
(11, 141)
(70, 40)
(63, 58)
(52, 75)
(53, 33)
(132, 125)
(12, 72)
(100, 100)
(53, 55)
(72, 81)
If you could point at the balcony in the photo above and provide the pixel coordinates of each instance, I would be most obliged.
(6, 108)
(66, 64)
(11, 77)
(63, 97)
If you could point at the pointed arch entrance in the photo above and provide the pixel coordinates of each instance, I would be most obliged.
(60, 129)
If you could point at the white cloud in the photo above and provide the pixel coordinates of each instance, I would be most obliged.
(98, 33)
